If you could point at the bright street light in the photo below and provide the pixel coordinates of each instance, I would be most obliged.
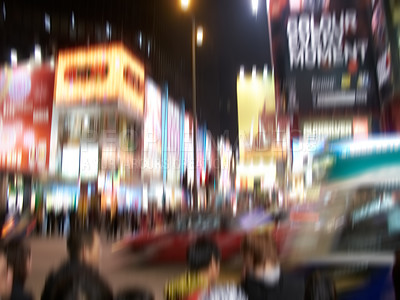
(254, 6)
(185, 4)
(199, 36)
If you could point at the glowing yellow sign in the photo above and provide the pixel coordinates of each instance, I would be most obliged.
(104, 73)
(255, 96)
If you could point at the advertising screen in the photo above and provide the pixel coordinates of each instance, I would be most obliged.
(256, 97)
(173, 145)
(382, 49)
(103, 73)
(200, 155)
(152, 131)
(26, 106)
(188, 148)
(89, 161)
(70, 162)
(323, 55)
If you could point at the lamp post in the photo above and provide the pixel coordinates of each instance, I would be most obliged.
(197, 37)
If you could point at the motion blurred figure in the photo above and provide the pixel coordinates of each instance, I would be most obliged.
(135, 294)
(396, 275)
(20, 260)
(6, 276)
(203, 258)
(81, 283)
(319, 287)
(84, 254)
(263, 277)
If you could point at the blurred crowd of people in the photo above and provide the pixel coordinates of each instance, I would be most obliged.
(114, 223)
(262, 277)
(79, 278)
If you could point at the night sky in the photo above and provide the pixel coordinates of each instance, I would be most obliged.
(233, 36)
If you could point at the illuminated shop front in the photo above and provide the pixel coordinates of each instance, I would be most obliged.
(98, 123)
(26, 97)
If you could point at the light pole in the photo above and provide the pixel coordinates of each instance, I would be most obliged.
(197, 36)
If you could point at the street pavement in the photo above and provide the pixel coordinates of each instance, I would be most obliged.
(121, 269)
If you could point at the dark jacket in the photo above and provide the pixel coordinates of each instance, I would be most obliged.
(18, 293)
(396, 280)
(288, 288)
(72, 273)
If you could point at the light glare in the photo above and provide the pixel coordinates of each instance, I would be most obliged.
(4, 11)
(73, 20)
(199, 36)
(241, 72)
(14, 57)
(38, 54)
(47, 24)
(265, 72)
(254, 6)
(185, 4)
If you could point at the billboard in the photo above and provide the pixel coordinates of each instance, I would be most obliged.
(100, 74)
(70, 162)
(173, 144)
(152, 131)
(89, 161)
(256, 97)
(338, 128)
(323, 55)
(382, 49)
(188, 148)
(26, 106)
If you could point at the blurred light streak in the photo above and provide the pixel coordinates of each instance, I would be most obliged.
(14, 57)
(199, 36)
(254, 6)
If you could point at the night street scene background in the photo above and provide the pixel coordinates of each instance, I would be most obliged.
(200, 149)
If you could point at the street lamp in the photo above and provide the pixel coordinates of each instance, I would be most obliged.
(197, 36)
(185, 4)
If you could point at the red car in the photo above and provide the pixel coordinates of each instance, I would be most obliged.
(171, 245)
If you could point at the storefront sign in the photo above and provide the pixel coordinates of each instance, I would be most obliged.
(26, 105)
(382, 49)
(100, 74)
(189, 147)
(173, 144)
(89, 161)
(332, 129)
(152, 131)
(70, 162)
(323, 55)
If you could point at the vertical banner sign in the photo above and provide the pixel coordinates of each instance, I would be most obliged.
(26, 106)
(173, 146)
(322, 54)
(152, 131)
(255, 99)
(182, 138)
(382, 49)
(164, 137)
(189, 148)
